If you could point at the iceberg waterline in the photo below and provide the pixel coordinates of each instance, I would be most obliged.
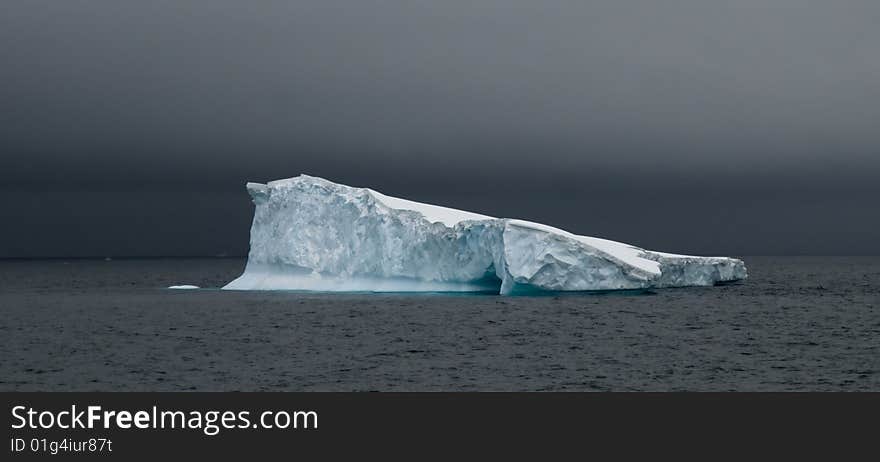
(312, 234)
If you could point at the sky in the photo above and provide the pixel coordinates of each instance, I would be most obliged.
(748, 127)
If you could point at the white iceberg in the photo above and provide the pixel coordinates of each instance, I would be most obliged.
(312, 234)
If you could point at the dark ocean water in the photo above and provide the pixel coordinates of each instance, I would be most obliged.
(798, 323)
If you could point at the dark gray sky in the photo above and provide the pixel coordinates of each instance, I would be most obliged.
(710, 127)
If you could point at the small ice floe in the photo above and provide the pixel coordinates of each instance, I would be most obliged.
(185, 286)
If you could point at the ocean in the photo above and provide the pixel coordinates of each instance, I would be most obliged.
(797, 324)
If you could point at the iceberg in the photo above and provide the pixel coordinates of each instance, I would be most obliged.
(311, 234)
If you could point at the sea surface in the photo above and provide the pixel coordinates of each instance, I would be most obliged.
(798, 323)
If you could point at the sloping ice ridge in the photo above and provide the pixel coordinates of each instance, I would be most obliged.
(312, 234)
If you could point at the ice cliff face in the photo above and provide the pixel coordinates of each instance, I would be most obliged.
(312, 234)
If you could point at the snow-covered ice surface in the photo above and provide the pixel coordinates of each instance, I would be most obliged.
(184, 286)
(312, 234)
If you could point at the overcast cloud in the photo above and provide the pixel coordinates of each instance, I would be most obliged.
(710, 127)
